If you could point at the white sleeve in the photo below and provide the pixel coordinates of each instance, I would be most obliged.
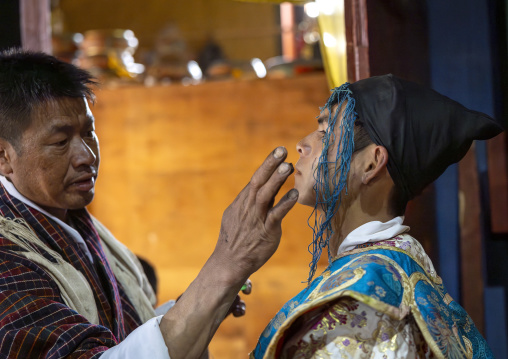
(163, 309)
(146, 341)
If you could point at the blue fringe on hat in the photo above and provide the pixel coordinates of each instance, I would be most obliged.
(331, 177)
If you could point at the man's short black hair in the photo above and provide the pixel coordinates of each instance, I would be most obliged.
(29, 79)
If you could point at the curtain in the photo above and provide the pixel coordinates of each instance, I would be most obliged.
(332, 31)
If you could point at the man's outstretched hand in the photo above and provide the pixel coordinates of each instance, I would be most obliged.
(250, 233)
(251, 226)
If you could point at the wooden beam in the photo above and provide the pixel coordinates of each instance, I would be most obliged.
(471, 239)
(357, 39)
(498, 183)
(287, 24)
(36, 25)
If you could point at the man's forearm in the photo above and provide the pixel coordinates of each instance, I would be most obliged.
(190, 325)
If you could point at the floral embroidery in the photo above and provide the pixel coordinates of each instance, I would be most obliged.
(359, 320)
(443, 323)
(469, 347)
(380, 291)
(292, 305)
(405, 245)
(433, 297)
(336, 315)
(386, 336)
(445, 338)
(352, 346)
(394, 272)
(422, 301)
(408, 244)
(444, 310)
(337, 280)
(310, 347)
(467, 326)
(350, 304)
(368, 259)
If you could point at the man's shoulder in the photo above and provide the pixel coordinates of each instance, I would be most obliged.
(398, 248)
(19, 241)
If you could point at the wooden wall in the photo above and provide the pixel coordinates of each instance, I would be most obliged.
(174, 157)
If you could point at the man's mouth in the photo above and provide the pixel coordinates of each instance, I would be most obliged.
(84, 183)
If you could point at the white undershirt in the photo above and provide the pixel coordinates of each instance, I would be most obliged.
(146, 341)
(373, 232)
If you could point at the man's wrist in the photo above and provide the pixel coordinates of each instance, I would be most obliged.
(226, 274)
(203, 305)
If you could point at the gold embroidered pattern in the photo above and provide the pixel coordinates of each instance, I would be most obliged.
(447, 299)
(446, 338)
(469, 347)
(337, 282)
(386, 336)
(275, 323)
(380, 291)
(406, 244)
(337, 315)
(307, 348)
(378, 335)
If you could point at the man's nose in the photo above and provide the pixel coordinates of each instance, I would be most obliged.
(83, 155)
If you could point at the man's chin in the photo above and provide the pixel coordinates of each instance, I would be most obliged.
(81, 201)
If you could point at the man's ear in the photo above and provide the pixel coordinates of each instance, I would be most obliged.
(6, 155)
(376, 163)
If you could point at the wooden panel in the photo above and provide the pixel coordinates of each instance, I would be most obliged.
(174, 157)
(399, 39)
(35, 25)
(357, 39)
(471, 239)
(498, 183)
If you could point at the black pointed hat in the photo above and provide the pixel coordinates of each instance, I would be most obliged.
(423, 131)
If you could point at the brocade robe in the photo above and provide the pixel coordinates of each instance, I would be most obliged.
(380, 300)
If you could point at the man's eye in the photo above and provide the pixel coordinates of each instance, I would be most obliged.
(61, 143)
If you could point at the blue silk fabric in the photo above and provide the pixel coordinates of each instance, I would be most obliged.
(407, 290)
